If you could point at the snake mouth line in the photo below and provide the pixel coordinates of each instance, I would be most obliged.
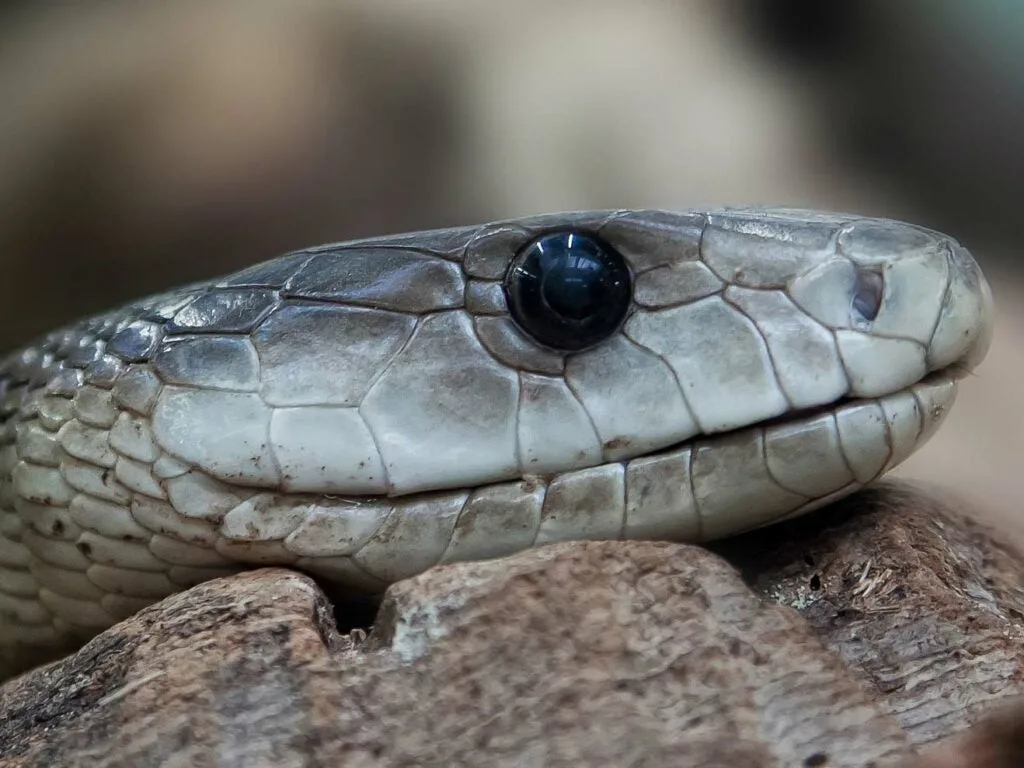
(951, 373)
(935, 377)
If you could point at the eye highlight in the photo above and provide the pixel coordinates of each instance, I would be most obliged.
(568, 290)
(867, 295)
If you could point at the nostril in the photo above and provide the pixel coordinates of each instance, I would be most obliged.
(867, 295)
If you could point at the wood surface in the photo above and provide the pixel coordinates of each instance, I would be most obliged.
(857, 636)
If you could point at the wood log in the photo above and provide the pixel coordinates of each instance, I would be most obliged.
(853, 637)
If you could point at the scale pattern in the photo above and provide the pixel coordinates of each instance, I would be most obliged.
(366, 410)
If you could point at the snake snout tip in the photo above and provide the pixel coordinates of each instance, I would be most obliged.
(979, 347)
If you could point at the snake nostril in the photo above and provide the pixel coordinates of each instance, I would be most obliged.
(867, 295)
(568, 290)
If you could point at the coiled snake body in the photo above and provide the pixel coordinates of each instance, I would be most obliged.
(364, 411)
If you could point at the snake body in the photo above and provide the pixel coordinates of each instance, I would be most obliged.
(364, 411)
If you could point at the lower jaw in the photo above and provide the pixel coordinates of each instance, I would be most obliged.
(754, 476)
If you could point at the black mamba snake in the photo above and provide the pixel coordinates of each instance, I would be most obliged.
(363, 411)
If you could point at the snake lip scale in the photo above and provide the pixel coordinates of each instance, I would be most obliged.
(952, 372)
(944, 376)
(364, 411)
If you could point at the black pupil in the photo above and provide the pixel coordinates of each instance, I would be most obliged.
(568, 290)
(571, 283)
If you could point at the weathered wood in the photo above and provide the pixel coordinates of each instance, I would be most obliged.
(996, 742)
(924, 602)
(889, 621)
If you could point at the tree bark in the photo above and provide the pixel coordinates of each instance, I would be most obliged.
(851, 637)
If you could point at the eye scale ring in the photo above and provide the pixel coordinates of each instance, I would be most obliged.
(568, 289)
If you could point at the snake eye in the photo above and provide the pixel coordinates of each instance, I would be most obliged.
(568, 290)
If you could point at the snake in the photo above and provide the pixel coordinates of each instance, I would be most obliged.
(365, 411)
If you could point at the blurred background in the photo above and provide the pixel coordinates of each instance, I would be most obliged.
(144, 145)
